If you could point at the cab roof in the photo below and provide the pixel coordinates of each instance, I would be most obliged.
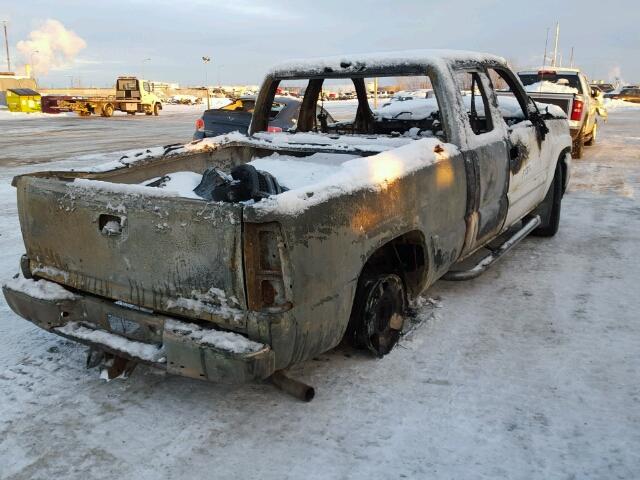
(551, 69)
(369, 64)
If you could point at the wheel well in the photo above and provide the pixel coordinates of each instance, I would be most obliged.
(404, 255)
(563, 168)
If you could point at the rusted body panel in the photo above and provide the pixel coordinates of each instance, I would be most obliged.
(164, 249)
(172, 349)
(329, 244)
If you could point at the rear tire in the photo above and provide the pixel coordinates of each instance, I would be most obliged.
(549, 209)
(378, 311)
(156, 109)
(578, 147)
(594, 134)
(107, 111)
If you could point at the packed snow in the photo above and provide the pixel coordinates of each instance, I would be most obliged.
(5, 114)
(214, 302)
(421, 108)
(291, 172)
(40, 289)
(410, 94)
(144, 351)
(180, 183)
(346, 143)
(343, 64)
(546, 86)
(371, 173)
(297, 172)
(87, 186)
(226, 341)
(525, 372)
(84, 141)
(411, 109)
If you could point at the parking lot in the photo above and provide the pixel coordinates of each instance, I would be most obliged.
(56, 137)
(530, 371)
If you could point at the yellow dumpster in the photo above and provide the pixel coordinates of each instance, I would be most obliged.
(23, 100)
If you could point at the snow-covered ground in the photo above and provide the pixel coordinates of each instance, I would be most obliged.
(41, 137)
(528, 372)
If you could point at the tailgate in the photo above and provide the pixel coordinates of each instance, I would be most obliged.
(219, 122)
(562, 100)
(138, 245)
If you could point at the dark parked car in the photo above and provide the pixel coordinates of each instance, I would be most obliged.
(627, 94)
(237, 116)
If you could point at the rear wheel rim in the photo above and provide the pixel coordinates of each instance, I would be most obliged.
(383, 315)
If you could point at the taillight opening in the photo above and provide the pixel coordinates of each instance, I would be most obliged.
(199, 124)
(576, 111)
(274, 129)
(263, 265)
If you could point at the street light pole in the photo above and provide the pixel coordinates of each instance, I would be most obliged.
(206, 60)
(546, 42)
(555, 48)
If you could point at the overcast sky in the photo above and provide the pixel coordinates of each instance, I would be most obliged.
(244, 37)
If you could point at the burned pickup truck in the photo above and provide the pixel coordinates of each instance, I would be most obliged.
(232, 258)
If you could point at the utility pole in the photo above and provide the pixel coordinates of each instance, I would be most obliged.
(555, 48)
(571, 59)
(546, 43)
(6, 45)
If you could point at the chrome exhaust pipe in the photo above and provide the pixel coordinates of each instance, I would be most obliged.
(293, 387)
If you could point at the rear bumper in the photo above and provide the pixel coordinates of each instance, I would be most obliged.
(178, 347)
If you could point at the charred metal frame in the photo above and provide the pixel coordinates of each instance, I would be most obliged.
(416, 225)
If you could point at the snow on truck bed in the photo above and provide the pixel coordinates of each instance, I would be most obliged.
(311, 179)
(318, 177)
(546, 86)
(296, 172)
(373, 173)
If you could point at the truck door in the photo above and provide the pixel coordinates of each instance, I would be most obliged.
(527, 173)
(487, 153)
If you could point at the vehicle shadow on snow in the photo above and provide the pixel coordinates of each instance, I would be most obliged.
(325, 372)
